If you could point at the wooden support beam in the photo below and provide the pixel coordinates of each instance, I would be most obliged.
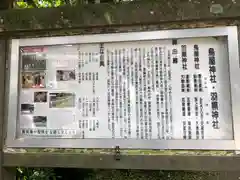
(5, 174)
(5, 4)
(133, 13)
(107, 161)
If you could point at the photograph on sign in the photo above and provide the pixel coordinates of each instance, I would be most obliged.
(27, 108)
(127, 90)
(40, 96)
(40, 121)
(66, 75)
(61, 100)
(33, 79)
(33, 61)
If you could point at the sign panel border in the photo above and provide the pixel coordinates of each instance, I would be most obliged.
(12, 90)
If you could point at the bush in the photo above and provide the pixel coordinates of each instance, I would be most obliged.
(36, 174)
(86, 174)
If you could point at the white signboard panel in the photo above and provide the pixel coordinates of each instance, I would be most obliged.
(159, 89)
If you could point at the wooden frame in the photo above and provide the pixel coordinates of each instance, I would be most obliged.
(107, 161)
(5, 173)
(12, 25)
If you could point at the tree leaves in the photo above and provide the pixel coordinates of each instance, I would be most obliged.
(39, 3)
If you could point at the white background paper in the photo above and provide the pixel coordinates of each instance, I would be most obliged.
(69, 57)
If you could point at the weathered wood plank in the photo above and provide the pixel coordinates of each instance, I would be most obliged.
(107, 161)
(5, 174)
(140, 12)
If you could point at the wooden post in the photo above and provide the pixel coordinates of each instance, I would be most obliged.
(5, 4)
(5, 174)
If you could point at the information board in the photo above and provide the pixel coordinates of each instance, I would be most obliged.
(163, 89)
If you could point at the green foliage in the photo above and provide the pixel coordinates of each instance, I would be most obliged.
(39, 3)
(150, 175)
(84, 174)
(36, 174)
(21, 4)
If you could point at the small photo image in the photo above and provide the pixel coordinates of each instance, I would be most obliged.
(33, 61)
(33, 80)
(62, 100)
(27, 108)
(40, 121)
(66, 75)
(40, 97)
